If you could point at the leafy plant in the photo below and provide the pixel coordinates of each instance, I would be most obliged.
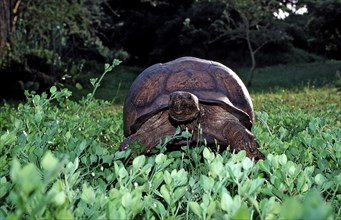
(60, 160)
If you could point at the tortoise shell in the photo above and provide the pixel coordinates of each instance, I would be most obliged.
(212, 82)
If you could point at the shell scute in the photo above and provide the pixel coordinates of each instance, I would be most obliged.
(189, 80)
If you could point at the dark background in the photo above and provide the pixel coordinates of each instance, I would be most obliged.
(42, 43)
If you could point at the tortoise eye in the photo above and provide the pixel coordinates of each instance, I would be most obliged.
(189, 97)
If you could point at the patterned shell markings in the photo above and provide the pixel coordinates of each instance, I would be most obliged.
(210, 81)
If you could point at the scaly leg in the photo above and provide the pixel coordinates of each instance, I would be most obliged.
(150, 132)
(239, 138)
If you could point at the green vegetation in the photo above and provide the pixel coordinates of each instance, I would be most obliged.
(60, 160)
(59, 156)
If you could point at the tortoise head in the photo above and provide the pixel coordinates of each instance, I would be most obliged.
(183, 106)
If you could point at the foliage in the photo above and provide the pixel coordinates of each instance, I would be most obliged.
(59, 160)
(214, 29)
(51, 31)
(255, 25)
(151, 31)
(50, 41)
(325, 29)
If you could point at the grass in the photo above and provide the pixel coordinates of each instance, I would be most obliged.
(314, 99)
(293, 77)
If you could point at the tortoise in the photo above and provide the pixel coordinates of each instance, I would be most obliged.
(190, 93)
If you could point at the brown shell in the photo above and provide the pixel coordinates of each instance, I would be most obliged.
(210, 81)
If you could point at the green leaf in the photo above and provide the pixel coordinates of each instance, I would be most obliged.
(314, 206)
(116, 62)
(109, 69)
(53, 90)
(283, 132)
(127, 200)
(29, 178)
(283, 159)
(15, 170)
(160, 209)
(88, 194)
(59, 198)
(319, 179)
(165, 194)
(247, 163)
(186, 134)
(206, 183)
(82, 145)
(106, 66)
(160, 158)
(255, 185)
(175, 154)
(179, 177)
(205, 201)
(114, 212)
(242, 213)
(146, 169)
(178, 193)
(217, 169)
(211, 209)
(17, 124)
(65, 214)
(5, 187)
(122, 172)
(8, 138)
(226, 202)
(264, 165)
(79, 86)
(68, 135)
(49, 162)
(291, 169)
(302, 186)
(72, 167)
(195, 207)
(93, 81)
(208, 154)
(178, 130)
(157, 180)
(168, 178)
(295, 207)
(139, 162)
(245, 188)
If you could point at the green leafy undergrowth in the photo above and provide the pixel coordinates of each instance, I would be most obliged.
(59, 159)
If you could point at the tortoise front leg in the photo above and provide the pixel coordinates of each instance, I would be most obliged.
(240, 138)
(147, 139)
(150, 132)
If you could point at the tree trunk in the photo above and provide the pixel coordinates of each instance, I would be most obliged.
(8, 15)
(4, 27)
(251, 50)
(253, 62)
